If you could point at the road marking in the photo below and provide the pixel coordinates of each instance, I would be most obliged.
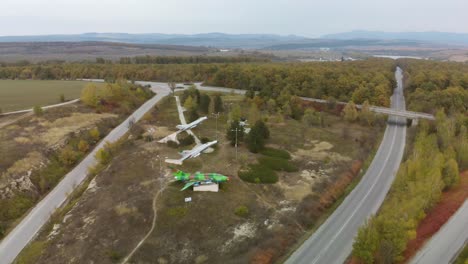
(362, 200)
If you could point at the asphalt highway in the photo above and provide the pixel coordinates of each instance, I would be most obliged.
(30, 225)
(332, 242)
(447, 243)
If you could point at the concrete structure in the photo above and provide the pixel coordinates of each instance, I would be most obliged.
(382, 110)
(206, 188)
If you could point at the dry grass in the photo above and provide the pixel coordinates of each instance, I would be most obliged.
(21, 167)
(58, 129)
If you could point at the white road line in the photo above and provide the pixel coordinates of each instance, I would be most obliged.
(359, 205)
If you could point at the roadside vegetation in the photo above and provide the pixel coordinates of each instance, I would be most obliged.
(370, 80)
(39, 150)
(432, 166)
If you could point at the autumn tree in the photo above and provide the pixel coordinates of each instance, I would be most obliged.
(254, 114)
(451, 175)
(38, 111)
(349, 112)
(235, 114)
(218, 104)
(366, 116)
(89, 95)
(95, 134)
(311, 118)
(83, 146)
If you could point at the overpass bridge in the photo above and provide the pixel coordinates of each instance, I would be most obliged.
(382, 110)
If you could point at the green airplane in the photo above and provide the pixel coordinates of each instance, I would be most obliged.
(199, 178)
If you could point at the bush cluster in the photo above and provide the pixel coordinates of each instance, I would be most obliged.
(277, 164)
(258, 173)
(276, 153)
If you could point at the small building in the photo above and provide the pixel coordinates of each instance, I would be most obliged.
(214, 187)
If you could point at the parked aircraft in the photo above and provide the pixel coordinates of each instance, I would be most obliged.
(193, 153)
(191, 125)
(199, 178)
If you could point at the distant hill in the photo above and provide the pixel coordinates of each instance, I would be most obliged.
(431, 36)
(89, 50)
(219, 40)
(342, 44)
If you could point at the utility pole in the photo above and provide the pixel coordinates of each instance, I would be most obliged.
(236, 130)
(217, 116)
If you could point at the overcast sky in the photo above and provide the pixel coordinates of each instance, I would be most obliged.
(301, 17)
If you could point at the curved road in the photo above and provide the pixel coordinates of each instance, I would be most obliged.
(30, 225)
(43, 107)
(332, 242)
(447, 243)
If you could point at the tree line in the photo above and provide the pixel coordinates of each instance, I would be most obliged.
(370, 80)
(186, 59)
(439, 153)
(430, 85)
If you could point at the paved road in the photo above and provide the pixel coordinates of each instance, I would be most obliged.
(43, 107)
(17, 239)
(446, 243)
(332, 242)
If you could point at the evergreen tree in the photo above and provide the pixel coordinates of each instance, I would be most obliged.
(255, 140)
(218, 104)
(204, 105)
(263, 129)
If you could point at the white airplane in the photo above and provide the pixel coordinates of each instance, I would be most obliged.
(191, 125)
(193, 153)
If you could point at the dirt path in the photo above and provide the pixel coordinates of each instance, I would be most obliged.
(10, 120)
(153, 224)
(180, 109)
(439, 215)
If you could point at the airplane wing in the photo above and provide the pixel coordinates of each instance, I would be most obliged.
(182, 127)
(187, 185)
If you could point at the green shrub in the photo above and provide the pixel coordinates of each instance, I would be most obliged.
(277, 153)
(256, 173)
(242, 211)
(277, 164)
(38, 111)
(172, 144)
(205, 140)
(114, 256)
(185, 140)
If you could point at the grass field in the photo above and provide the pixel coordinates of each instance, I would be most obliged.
(24, 94)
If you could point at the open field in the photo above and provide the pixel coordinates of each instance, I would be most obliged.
(207, 230)
(24, 94)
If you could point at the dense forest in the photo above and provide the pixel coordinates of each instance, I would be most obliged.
(359, 81)
(430, 85)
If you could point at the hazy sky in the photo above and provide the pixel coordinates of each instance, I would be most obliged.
(302, 17)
